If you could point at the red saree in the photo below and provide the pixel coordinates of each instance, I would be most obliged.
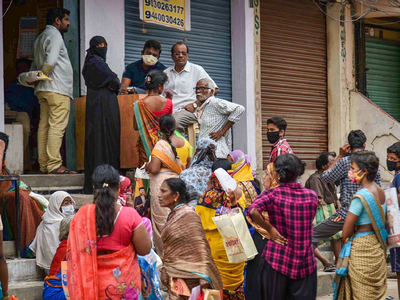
(98, 277)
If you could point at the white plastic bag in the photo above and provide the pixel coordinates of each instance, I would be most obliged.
(32, 76)
(392, 218)
(239, 245)
(42, 200)
(226, 180)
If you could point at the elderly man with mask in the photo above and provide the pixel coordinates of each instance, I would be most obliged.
(135, 73)
(216, 116)
(182, 78)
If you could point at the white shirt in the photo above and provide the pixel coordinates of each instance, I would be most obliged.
(51, 57)
(183, 83)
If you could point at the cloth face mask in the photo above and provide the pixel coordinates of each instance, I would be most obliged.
(391, 165)
(273, 136)
(149, 60)
(354, 177)
(68, 210)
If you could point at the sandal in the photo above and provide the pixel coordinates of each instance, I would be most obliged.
(65, 171)
(329, 268)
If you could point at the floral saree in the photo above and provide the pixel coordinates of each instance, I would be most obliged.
(171, 168)
(99, 277)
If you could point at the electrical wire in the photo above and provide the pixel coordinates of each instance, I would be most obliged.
(344, 21)
(7, 10)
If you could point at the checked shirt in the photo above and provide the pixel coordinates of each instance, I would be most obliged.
(291, 209)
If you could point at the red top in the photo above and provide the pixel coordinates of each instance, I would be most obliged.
(128, 220)
(58, 258)
(167, 109)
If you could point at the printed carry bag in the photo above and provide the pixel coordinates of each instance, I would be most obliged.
(64, 268)
(149, 273)
(239, 245)
(392, 218)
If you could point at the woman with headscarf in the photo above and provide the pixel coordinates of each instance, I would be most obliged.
(197, 176)
(102, 128)
(244, 176)
(46, 242)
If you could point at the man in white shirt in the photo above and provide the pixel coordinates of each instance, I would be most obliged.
(182, 79)
(51, 57)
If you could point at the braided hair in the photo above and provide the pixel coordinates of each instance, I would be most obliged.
(105, 182)
(167, 125)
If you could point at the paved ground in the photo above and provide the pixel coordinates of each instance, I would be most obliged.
(392, 291)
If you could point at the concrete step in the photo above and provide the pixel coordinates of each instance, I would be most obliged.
(9, 249)
(27, 290)
(54, 182)
(328, 255)
(80, 199)
(24, 270)
(324, 283)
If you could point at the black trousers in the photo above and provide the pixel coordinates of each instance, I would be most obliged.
(276, 286)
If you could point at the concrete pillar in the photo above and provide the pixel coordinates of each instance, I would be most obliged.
(105, 18)
(340, 55)
(242, 20)
(1, 71)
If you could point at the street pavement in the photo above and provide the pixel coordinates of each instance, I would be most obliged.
(392, 291)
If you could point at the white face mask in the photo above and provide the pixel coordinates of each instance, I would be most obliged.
(68, 210)
(149, 60)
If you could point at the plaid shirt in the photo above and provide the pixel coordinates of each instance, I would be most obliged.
(347, 188)
(291, 209)
(280, 147)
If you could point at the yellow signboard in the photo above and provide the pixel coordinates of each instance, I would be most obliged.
(171, 13)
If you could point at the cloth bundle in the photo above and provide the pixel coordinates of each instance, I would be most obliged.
(32, 76)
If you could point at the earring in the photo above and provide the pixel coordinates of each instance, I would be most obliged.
(175, 200)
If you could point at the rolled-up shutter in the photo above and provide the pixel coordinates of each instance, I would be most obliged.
(209, 40)
(383, 74)
(294, 74)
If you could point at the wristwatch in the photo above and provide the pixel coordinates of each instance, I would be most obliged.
(194, 105)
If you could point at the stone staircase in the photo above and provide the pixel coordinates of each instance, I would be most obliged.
(26, 279)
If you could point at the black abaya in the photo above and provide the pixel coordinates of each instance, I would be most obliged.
(103, 124)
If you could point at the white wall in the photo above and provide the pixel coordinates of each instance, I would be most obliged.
(1, 71)
(105, 18)
(242, 20)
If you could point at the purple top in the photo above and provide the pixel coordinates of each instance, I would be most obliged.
(291, 209)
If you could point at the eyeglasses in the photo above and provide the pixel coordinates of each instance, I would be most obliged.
(201, 89)
(180, 53)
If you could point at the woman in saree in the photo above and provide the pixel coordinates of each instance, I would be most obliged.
(208, 207)
(148, 112)
(187, 253)
(361, 270)
(260, 238)
(196, 177)
(52, 289)
(242, 173)
(103, 120)
(103, 244)
(164, 164)
(31, 210)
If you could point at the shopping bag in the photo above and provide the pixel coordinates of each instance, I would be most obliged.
(64, 268)
(149, 273)
(210, 295)
(392, 218)
(239, 245)
(196, 293)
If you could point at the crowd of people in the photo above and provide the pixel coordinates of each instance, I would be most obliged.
(103, 243)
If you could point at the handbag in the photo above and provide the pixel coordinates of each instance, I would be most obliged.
(392, 218)
(238, 243)
(142, 173)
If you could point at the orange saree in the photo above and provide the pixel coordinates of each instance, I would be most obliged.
(91, 276)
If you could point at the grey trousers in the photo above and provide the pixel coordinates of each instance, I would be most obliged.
(326, 229)
(183, 119)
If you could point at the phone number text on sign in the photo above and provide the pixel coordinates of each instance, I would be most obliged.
(165, 12)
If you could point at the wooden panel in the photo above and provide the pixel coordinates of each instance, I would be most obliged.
(129, 137)
(294, 75)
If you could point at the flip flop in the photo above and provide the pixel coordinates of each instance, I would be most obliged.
(66, 171)
(329, 268)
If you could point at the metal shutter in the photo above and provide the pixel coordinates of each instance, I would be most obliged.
(209, 40)
(383, 76)
(294, 75)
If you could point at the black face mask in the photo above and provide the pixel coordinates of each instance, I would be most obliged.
(391, 165)
(102, 52)
(273, 136)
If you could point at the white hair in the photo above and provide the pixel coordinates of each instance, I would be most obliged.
(209, 83)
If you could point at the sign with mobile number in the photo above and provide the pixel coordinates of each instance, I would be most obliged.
(170, 13)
